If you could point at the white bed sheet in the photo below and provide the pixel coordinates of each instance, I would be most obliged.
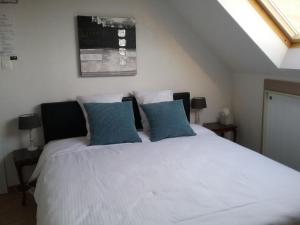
(196, 180)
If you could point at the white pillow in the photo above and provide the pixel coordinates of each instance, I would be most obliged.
(144, 137)
(147, 97)
(96, 99)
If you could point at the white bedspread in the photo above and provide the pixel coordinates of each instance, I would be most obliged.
(200, 180)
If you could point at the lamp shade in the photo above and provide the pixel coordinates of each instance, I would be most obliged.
(198, 103)
(29, 121)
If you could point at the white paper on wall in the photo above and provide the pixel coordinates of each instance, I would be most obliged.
(7, 33)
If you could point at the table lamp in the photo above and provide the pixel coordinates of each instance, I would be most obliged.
(198, 103)
(29, 122)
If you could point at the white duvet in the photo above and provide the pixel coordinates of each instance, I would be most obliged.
(200, 180)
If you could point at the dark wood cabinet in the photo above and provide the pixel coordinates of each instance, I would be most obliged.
(23, 157)
(221, 129)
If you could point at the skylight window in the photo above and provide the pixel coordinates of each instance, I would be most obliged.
(286, 15)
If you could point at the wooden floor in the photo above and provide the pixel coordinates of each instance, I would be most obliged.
(13, 213)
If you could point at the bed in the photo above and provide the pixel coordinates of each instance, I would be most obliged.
(202, 179)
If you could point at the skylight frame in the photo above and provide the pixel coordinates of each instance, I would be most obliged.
(278, 22)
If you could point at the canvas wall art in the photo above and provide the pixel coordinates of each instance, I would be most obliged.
(107, 46)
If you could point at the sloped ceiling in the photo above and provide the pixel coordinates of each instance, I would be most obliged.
(225, 37)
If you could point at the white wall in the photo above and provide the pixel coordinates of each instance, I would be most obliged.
(266, 39)
(229, 38)
(169, 56)
(248, 104)
(292, 59)
(252, 22)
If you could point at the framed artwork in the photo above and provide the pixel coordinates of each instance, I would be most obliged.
(107, 46)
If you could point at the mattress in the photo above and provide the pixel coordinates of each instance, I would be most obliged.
(204, 179)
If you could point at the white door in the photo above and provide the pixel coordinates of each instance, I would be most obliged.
(281, 129)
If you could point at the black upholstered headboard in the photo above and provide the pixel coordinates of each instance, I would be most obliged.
(65, 119)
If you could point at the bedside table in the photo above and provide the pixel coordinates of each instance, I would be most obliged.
(23, 157)
(221, 129)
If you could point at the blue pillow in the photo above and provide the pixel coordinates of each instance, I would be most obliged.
(111, 123)
(167, 119)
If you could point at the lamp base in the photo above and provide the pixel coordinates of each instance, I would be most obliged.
(197, 117)
(32, 148)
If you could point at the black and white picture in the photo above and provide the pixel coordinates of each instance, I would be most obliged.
(107, 46)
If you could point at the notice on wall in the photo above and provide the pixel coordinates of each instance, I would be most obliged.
(7, 34)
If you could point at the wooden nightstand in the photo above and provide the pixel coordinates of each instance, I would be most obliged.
(221, 129)
(23, 157)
